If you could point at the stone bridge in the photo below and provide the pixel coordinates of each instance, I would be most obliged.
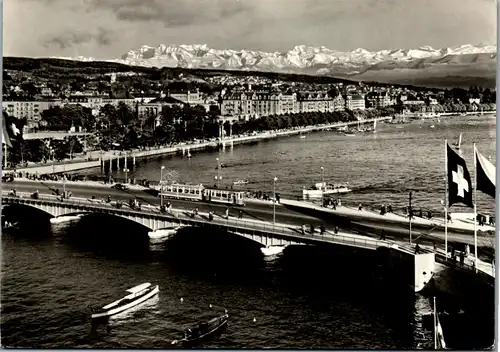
(418, 267)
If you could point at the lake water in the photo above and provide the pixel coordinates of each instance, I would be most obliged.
(380, 167)
(307, 297)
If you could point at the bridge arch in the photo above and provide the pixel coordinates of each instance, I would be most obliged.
(66, 209)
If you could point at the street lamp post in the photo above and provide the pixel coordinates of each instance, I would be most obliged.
(274, 199)
(126, 174)
(323, 186)
(64, 177)
(161, 185)
(218, 171)
(410, 213)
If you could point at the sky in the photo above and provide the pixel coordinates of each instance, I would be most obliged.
(107, 29)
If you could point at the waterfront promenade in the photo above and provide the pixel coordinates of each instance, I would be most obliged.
(93, 158)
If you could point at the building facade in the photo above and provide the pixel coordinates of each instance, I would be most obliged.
(29, 110)
(355, 102)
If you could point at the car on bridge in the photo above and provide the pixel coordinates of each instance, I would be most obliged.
(120, 187)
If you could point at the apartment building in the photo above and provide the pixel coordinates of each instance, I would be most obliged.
(257, 104)
(354, 102)
(315, 101)
(29, 110)
(379, 99)
(154, 107)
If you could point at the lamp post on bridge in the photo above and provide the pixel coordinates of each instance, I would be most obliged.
(323, 186)
(161, 185)
(274, 200)
(126, 174)
(64, 177)
(217, 178)
(410, 212)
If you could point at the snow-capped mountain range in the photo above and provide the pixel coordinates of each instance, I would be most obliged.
(314, 60)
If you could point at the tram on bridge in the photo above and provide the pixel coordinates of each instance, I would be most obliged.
(201, 193)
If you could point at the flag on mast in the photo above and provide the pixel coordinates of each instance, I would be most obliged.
(459, 181)
(12, 129)
(441, 344)
(485, 172)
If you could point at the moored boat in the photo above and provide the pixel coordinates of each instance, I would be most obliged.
(137, 294)
(203, 330)
(322, 188)
(241, 182)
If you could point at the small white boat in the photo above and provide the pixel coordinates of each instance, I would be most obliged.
(65, 218)
(138, 294)
(302, 137)
(240, 182)
(320, 189)
(10, 225)
(432, 126)
(161, 233)
(272, 250)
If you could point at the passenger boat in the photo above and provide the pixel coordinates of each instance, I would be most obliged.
(320, 189)
(240, 182)
(203, 330)
(138, 294)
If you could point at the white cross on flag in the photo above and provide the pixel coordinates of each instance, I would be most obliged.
(12, 130)
(459, 181)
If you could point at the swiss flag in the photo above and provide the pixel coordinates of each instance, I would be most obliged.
(12, 129)
(459, 181)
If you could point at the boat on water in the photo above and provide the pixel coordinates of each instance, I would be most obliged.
(322, 188)
(65, 218)
(203, 330)
(457, 144)
(137, 294)
(302, 137)
(10, 225)
(161, 233)
(240, 182)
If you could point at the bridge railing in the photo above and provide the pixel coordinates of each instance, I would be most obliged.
(289, 231)
(441, 258)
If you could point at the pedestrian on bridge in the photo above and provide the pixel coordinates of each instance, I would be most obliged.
(312, 229)
(382, 235)
(360, 207)
(321, 229)
(336, 230)
(210, 216)
(417, 249)
(240, 215)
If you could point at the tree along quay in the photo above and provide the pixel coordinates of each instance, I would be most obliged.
(126, 159)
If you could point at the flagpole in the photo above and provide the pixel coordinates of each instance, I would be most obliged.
(5, 155)
(475, 210)
(446, 198)
(435, 325)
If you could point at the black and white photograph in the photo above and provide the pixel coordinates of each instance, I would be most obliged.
(249, 174)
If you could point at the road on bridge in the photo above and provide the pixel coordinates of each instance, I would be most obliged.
(258, 210)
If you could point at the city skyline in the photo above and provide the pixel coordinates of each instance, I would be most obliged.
(97, 28)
